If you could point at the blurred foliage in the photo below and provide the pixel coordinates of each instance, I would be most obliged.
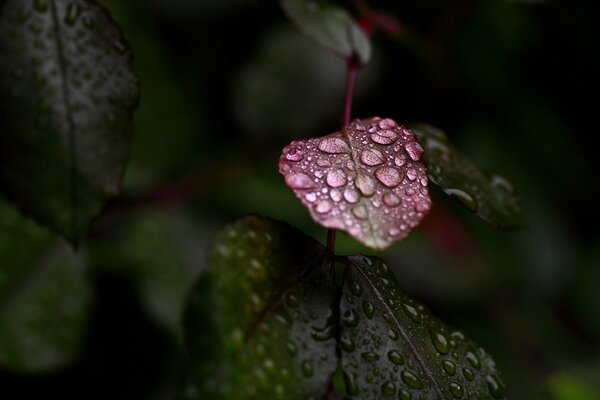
(512, 83)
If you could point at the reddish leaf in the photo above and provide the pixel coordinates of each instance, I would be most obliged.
(368, 180)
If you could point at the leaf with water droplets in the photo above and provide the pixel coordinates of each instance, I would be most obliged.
(392, 346)
(67, 94)
(261, 322)
(44, 297)
(492, 198)
(369, 180)
(330, 26)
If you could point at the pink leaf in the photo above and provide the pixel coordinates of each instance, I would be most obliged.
(369, 181)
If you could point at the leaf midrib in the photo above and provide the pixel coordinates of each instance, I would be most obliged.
(404, 334)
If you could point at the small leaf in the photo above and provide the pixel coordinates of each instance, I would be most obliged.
(67, 94)
(368, 181)
(331, 27)
(490, 197)
(260, 322)
(44, 297)
(393, 347)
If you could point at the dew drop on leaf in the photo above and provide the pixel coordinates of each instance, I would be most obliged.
(372, 157)
(334, 146)
(411, 379)
(414, 150)
(336, 178)
(391, 200)
(299, 181)
(389, 176)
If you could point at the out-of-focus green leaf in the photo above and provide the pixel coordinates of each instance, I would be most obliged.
(67, 95)
(44, 296)
(492, 198)
(331, 27)
(566, 387)
(260, 321)
(393, 347)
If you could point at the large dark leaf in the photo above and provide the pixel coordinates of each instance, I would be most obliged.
(393, 348)
(330, 26)
(261, 321)
(44, 296)
(490, 197)
(369, 180)
(67, 94)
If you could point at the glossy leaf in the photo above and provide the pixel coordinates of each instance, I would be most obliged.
(44, 296)
(392, 347)
(331, 27)
(492, 198)
(260, 321)
(67, 94)
(369, 180)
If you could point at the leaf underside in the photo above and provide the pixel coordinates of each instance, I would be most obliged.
(491, 198)
(67, 94)
(260, 321)
(392, 347)
(329, 26)
(369, 181)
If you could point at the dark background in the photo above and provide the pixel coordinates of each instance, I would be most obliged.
(226, 84)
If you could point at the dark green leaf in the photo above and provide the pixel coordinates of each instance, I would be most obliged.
(490, 197)
(330, 26)
(260, 322)
(67, 94)
(392, 347)
(44, 296)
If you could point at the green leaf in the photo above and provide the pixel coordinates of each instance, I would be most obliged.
(392, 347)
(67, 95)
(329, 26)
(261, 321)
(44, 296)
(492, 198)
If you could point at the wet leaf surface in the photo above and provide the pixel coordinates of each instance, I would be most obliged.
(67, 94)
(330, 26)
(260, 321)
(491, 198)
(392, 347)
(44, 296)
(369, 181)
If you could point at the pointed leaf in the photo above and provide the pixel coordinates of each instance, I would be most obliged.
(331, 27)
(67, 94)
(260, 322)
(368, 181)
(393, 347)
(492, 198)
(44, 296)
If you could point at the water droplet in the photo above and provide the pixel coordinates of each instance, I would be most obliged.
(369, 356)
(365, 184)
(292, 300)
(351, 195)
(335, 195)
(311, 197)
(396, 357)
(347, 343)
(449, 367)
(299, 180)
(501, 183)
(411, 380)
(391, 200)
(473, 360)
(350, 382)
(334, 145)
(336, 178)
(385, 137)
(292, 349)
(440, 342)
(360, 211)
(388, 388)
(465, 198)
(411, 173)
(392, 334)
(307, 369)
(387, 123)
(423, 205)
(468, 374)
(355, 288)
(350, 318)
(389, 176)
(414, 150)
(294, 153)
(400, 160)
(120, 46)
(368, 308)
(456, 390)
(73, 12)
(41, 5)
(393, 231)
(412, 313)
(372, 157)
(494, 386)
(404, 395)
